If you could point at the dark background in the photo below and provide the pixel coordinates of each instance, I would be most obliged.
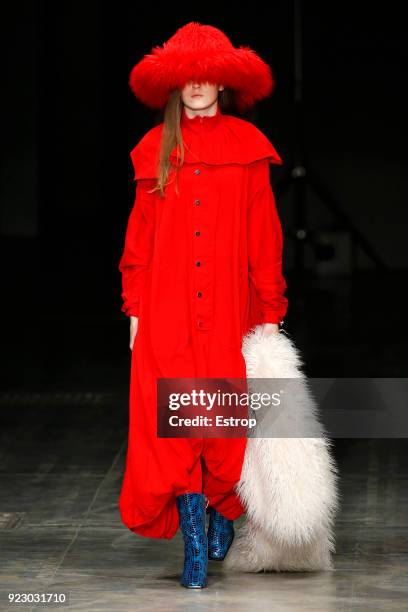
(69, 121)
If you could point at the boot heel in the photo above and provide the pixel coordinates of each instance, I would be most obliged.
(191, 509)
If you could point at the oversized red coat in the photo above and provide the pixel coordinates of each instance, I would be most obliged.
(199, 268)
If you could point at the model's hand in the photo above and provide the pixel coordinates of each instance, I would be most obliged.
(134, 322)
(270, 328)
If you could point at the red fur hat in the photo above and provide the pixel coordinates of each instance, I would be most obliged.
(200, 53)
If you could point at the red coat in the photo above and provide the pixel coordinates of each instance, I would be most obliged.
(208, 259)
(212, 256)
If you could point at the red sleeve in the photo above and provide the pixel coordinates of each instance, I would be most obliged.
(138, 247)
(265, 245)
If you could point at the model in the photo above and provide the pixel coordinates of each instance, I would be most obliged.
(201, 265)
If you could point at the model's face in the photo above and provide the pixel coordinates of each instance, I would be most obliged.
(200, 96)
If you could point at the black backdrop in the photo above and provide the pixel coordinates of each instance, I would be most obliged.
(70, 120)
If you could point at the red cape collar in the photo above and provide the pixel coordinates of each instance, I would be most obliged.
(213, 140)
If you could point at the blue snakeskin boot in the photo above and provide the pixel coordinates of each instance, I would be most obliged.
(220, 535)
(191, 508)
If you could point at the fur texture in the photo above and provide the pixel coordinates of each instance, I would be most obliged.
(288, 484)
(203, 53)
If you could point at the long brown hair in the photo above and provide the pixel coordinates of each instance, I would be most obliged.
(172, 136)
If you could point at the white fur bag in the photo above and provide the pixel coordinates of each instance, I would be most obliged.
(288, 484)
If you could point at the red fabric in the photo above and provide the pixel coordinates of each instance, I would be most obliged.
(200, 53)
(199, 269)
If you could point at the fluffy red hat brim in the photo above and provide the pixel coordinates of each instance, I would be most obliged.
(163, 70)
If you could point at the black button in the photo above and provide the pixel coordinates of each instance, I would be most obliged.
(197, 233)
(197, 171)
(199, 294)
(198, 263)
(197, 202)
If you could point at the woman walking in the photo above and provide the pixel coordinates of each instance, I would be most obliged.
(201, 265)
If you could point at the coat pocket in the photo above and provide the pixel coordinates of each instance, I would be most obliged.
(169, 309)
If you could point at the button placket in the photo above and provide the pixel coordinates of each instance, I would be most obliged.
(198, 253)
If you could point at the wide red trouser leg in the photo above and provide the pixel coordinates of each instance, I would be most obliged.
(159, 469)
(222, 457)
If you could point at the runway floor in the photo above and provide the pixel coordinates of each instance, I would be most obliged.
(61, 468)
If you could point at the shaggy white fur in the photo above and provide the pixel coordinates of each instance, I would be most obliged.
(288, 484)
